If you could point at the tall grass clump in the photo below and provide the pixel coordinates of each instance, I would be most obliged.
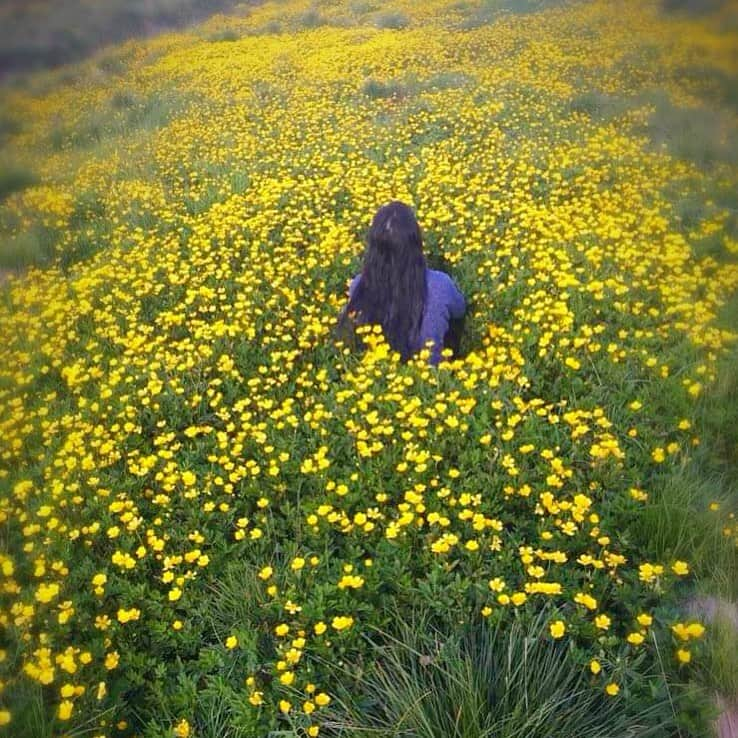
(393, 21)
(481, 681)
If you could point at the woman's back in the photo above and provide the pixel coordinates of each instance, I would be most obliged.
(444, 303)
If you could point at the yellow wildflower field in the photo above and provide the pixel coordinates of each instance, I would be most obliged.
(205, 500)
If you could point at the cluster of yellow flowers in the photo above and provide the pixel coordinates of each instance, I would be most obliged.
(170, 400)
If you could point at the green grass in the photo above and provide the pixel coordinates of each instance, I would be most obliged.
(394, 21)
(126, 114)
(15, 179)
(703, 135)
(47, 34)
(720, 668)
(29, 248)
(485, 682)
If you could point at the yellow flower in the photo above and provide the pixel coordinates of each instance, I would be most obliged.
(695, 630)
(174, 594)
(65, 710)
(320, 628)
(518, 598)
(680, 568)
(322, 699)
(602, 621)
(5, 717)
(586, 600)
(595, 666)
(557, 628)
(256, 699)
(111, 660)
(342, 622)
(644, 619)
(124, 616)
(46, 592)
(612, 689)
(182, 729)
(285, 706)
(496, 584)
(635, 639)
(683, 655)
(231, 642)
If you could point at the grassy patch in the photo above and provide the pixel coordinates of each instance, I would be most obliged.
(9, 126)
(487, 682)
(226, 34)
(412, 85)
(694, 7)
(310, 19)
(14, 179)
(394, 21)
(376, 89)
(721, 666)
(700, 135)
(126, 113)
(32, 247)
(47, 34)
(488, 11)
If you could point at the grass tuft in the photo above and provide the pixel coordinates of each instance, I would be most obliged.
(393, 21)
(14, 179)
(484, 682)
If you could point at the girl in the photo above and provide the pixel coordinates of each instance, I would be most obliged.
(396, 290)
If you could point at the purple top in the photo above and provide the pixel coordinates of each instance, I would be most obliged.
(443, 302)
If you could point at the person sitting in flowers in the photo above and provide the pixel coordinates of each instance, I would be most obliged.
(415, 306)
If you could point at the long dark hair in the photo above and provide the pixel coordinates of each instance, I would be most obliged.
(392, 290)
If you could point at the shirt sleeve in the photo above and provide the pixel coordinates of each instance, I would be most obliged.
(353, 285)
(456, 301)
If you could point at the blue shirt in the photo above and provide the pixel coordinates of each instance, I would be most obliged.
(443, 302)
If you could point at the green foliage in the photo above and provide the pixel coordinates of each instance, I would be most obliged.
(126, 114)
(31, 247)
(47, 34)
(310, 19)
(226, 34)
(394, 21)
(15, 179)
(483, 682)
(720, 668)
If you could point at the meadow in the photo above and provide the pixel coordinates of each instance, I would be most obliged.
(218, 522)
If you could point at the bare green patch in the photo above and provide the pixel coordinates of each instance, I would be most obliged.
(703, 135)
(394, 21)
(126, 113)
(478, 14)
(226, 34)
(15, 179)
(29, 248)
